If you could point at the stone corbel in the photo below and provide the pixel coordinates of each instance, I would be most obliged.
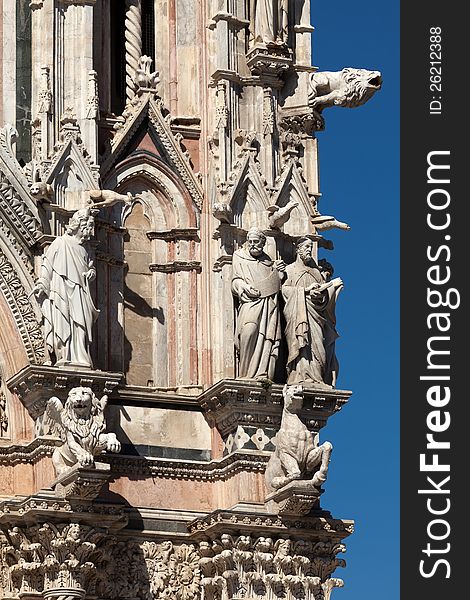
(35, 384)
(247, 413)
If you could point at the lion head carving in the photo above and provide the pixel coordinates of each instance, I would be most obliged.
(348, 88)
(81, 425)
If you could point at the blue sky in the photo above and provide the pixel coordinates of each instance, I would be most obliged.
(359, 181)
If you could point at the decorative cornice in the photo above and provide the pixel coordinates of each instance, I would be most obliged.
(215, 470)
(29, 453)
(47, 506)
(233, 402)
(233, 522)
(35, 384)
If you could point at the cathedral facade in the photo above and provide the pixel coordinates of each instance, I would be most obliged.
(167, 309)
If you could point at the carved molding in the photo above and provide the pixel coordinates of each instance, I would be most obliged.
(28, 453)
(16, 206)
(215, 470)
(176, 266)
(318, 528)
(26, 319)
(173, 235)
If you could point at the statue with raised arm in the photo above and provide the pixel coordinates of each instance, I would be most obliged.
(256, 282)
(63, 292)
(269, 21)
(310, 299)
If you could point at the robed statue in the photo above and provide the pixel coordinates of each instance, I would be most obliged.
(309, 308)
(63, 292)
(256, 282)
(269, 21)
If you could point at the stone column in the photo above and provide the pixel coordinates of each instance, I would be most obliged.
(133, 43)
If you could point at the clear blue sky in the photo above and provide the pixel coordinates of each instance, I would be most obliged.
(359, 180)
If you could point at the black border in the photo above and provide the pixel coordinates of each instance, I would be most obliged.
(421, 133)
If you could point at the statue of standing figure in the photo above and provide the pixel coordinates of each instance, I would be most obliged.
(269, 21)
(256, 282)
(63, 292)
(310, 300)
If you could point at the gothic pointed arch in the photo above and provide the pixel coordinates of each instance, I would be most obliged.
(159, 275)
(291, 187)
(249, 198)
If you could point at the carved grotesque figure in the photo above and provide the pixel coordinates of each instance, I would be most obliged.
(297, 455)
(81, 425)
(310, 301)
(349, 88)
(256, 282)
(63, 292)
(144, 77)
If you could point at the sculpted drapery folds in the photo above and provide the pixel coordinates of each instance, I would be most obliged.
(64, 294)
(310, 300)
(256, 282)
(269, 21)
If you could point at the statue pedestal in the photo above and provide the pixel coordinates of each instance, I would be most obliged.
(248, 412)
(83, 483)
(295, 498)
(269, 61)
(35, 384)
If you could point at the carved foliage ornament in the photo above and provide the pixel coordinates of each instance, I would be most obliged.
(73, 557)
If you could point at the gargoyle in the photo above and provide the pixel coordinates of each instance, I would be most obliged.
(222, 212)
(296, 456)
(41, 191)
(349, 88)
(101, 198)
(325, 222)
(81, 425)
(280, 215)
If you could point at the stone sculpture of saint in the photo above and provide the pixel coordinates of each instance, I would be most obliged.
(256, 282)
(63, 292)
(309, 308)
(269, 23)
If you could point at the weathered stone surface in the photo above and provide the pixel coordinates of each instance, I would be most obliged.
(180, 138)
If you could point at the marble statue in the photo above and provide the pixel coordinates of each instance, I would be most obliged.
(269, 21)
(310, 299)
(63, 292)
(297, 455)
(349, 88)
(256, 281)
(81, 424)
